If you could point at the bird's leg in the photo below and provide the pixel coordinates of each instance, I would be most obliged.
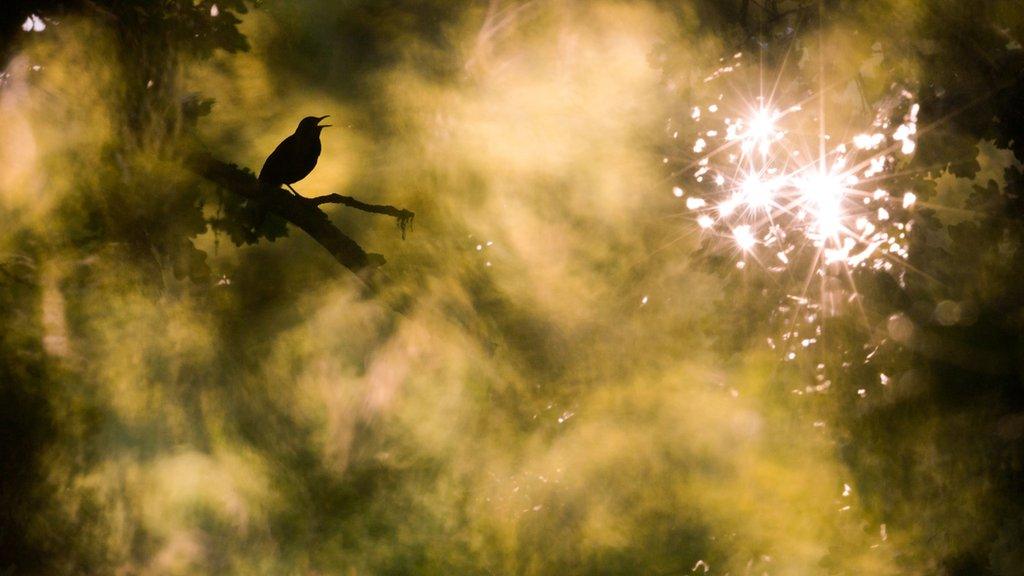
(289, 186)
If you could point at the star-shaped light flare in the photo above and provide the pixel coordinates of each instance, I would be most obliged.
(803, 207)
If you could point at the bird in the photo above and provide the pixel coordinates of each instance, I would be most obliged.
(295, 157)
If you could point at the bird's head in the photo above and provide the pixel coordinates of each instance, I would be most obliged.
(311, 126)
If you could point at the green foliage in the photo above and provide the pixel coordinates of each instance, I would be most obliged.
(190, 409)
(245, 220)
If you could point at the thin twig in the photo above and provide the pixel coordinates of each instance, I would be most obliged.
(404, 216)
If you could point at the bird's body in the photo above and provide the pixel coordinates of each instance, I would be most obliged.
(292, 160)
(296, 156)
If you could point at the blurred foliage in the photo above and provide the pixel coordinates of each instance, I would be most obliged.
(926, 385)
(172, 405)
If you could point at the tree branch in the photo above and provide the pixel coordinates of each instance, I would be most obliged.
(403, 216)
(304, 213)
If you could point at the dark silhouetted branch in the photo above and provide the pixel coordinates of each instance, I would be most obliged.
(403, 216)
(304, 213)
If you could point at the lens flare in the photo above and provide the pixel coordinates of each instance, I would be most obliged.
(744, 237)
(821, 195)
(801, 215)
(760, 132)
(757, 193)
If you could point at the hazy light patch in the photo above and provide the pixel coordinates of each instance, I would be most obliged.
(43, 122)
(19, 180)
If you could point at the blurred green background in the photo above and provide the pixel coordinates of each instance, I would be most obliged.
(552, 377)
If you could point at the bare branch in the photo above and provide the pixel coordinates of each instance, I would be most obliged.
(403, 216)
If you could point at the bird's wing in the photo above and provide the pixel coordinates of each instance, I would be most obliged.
(277, 163)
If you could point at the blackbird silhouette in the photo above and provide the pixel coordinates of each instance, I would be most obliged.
(295, 157)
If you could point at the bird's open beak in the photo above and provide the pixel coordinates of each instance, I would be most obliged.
(320, 119)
